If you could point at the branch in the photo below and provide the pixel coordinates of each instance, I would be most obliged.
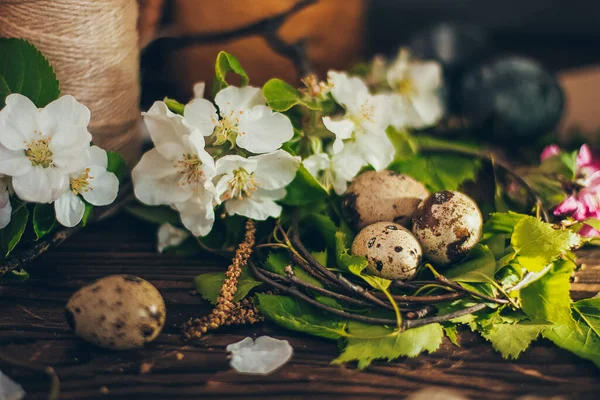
(267, 27)
(26, 254)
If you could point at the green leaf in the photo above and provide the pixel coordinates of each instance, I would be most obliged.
(116, 164)
(24, 70)
(325, 226)
(209, 285)
(582, 335)
(451, 332)
(548, 298)
(12, 233)
(304, 189)
(344, 260)
(438, 172)
(174, 105)
(225, 64)
(500, 223)
(44, 219)
(478, 266)
(282, 96)
(19, 275)
(87, 213)
(510, 340)
(537, 244)
(276, 262)
(409, 343)
(594, 223)
(155, 214)
(404, 146)
(297, 315)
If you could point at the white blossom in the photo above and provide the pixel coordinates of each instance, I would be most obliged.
(334, 172)
(243, 119)
(169, 236)
(40, 148)
(178, 171)
(250, 186)
(94, 183)
(5, 206)
(261, 356)
(415, 93)
(364, 123)
(9, 389)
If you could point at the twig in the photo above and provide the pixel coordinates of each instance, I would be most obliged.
(487, 156)
(47, 370)
(26, 254)
(267, 27)
(409, 324)
(217, 252)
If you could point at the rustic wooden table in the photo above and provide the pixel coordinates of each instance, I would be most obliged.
(33, 328)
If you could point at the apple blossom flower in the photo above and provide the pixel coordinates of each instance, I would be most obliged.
(415, 94)
(583, 200)
(94, 183)
(334, 172)
(250, 186)
(364, 122)
(40, 148)
(178, 172)
(244, 120)
(169, 236)
(5, 206)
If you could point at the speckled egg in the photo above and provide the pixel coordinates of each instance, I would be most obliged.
(392, 251)
(448, 225)
(378, 196)
(117, 312)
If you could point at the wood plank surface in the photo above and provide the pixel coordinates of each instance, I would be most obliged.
(33, 328)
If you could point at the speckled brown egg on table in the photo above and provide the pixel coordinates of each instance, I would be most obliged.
(378, 196)
(117, 312)
(447, 224)
(391, 250)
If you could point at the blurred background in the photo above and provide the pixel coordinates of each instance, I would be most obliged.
(181, 38)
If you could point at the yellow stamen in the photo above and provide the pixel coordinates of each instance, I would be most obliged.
(190, 167)
(38, 151)
(81, 183)
(241, 185)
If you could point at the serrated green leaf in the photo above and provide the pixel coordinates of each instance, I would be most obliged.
(438, 172)
(24, 70)
(11, 235)
(225, 64)
(409, 343)
(500, 223)
(537, 244)
(299, 316)
(154, 214)
(451, 332)
(304, 189)
(209, 285)
(344, 260)
(282, 96)
(478, 266)
(510, 340)
(116, 164)
(44, 219)
(548, 298)
(582, 335)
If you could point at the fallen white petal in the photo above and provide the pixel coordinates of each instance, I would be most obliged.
(9, 389)
(261, 356)
(168, 236)
(436, 393)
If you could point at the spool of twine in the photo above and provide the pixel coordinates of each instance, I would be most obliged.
(93, 47)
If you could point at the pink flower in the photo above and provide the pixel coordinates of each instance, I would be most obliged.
(588, 231)
(584, 200)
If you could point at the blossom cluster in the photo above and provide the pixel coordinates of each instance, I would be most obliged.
(236, 153)
(583, 192)
(46, 156)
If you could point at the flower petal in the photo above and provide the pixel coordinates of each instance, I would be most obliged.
(5, 206)
(98, 157)
(228, 164)
(549, 151)
(380, 113)
(166, 130)
(376, 150)
(426, 76)
(429, 108)
(342, 129)
(69, 209)
(18, 121)
(103, 186)
(233, 100)
(156, 181)
(34, 186)
(568, 206)
(316, 163)
(263, 131)
(201, 114)
(13, 162)
(197, 214)
(275, 170)
(588, 231)
(170, 236)
(261, 356)
(347, 90)
(346, 166)
(253, 207)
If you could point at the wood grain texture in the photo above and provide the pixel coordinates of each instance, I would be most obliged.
(33, 328)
